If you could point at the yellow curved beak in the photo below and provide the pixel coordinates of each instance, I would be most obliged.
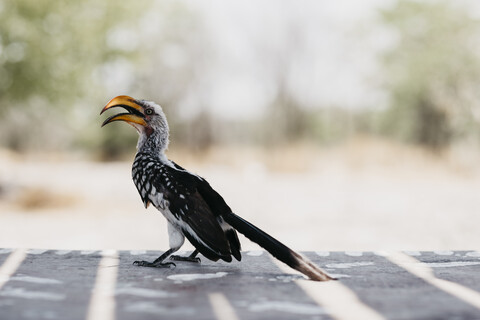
(134, 115)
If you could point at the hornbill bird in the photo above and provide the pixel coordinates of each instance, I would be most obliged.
(193, 209)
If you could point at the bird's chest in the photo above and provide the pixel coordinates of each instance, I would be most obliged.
(153, 189)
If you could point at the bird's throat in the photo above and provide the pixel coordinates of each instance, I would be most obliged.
(152, 141)
(148, 131)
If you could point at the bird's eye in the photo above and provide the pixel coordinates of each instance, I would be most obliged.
(149, 112)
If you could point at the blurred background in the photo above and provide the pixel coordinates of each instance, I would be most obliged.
(332, 125)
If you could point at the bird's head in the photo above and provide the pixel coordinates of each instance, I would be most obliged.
(145, 116)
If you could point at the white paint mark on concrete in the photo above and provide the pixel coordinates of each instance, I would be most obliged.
(196, 276)
(347, 265)
(35, 280)
(449, 264)
(62, 252)
(413, 253)
(354, 253)
(443, 252)
(87, 252)
(4, 251)
(286, 306)
(145, 293)
(222, 308)
(322, 253)
(382, 253)
(473, 254)
(339, 275)
(333, 296)
(153, 308)
(420, 270)
(11, 265)
(102, 301)
(287, 278)
(33, 295)
(36, 251)
(138, 252)
(255, 253)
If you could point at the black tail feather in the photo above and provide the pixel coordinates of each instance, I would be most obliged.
(235, 246)
(276, 248)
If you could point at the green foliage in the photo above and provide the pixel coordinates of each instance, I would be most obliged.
(50, 51)
(432, 73)
(60, 61)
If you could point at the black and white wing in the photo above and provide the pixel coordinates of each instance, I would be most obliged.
(192, 206)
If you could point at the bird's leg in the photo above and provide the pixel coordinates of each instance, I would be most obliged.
(190, 258)
(157, 263)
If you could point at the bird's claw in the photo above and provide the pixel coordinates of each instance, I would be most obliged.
(144, 263)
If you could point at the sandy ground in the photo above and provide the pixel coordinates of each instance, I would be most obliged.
(357, 197)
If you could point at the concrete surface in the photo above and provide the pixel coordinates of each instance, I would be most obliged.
(41, 284)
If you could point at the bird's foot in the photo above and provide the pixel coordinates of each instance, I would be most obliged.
(144, 263)
(188, 259)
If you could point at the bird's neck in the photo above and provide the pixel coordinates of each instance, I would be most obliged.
(155, 143)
